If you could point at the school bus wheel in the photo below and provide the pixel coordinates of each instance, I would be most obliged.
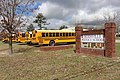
(52, 43)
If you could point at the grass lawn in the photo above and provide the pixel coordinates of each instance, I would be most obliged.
(29, 63)
(118, 38)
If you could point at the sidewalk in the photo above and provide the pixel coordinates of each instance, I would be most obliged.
(117, 41)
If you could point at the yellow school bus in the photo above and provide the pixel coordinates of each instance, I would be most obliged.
(28, 37)
(0, 36)
(52, 37)
(14, 37)
(21, 37)
(6, 38)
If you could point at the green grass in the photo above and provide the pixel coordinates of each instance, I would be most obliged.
(29, 63)
(118, 38)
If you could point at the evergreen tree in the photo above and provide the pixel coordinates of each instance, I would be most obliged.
(30, 27)
(40, 20)
(63, 27)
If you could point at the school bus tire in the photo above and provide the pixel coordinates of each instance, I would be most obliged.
(28, 42)
(52, 43)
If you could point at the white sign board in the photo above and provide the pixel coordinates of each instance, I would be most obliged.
(92, 38)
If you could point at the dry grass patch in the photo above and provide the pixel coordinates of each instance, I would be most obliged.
(33, 64)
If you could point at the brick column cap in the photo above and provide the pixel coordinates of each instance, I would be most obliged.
(78, 28)
(110, 25)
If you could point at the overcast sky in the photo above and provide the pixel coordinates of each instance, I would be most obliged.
(68, 12)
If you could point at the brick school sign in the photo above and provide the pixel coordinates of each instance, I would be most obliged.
(96, 42)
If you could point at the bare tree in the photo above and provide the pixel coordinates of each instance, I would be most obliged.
(113, 17)
(11, 13)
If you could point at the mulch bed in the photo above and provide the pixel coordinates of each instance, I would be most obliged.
(53, 48)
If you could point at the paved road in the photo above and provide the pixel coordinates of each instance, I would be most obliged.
(118, 41)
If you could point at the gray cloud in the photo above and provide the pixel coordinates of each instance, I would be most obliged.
(81, 4)
(82, 10)
(51, 10)
(115, 3)
(90, 6)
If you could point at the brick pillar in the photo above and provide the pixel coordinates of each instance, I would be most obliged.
(78, 31)
(110, 39)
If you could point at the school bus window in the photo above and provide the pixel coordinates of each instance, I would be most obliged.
(63, 34)
(72, 34)
(60, 34)
(57, 34)
(30, 35)
(35, 31)
(43, 34)
(50, 34)
(23, 34)
(69, 34)
(46, 34)
(66, 34)
(53, 34)
(33, 35)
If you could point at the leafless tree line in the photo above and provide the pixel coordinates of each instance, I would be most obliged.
(113, 17)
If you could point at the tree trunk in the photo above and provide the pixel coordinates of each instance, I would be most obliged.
(10, 44)
(40, 25)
